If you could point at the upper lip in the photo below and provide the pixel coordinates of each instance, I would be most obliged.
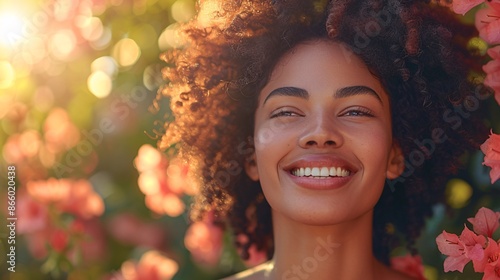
(320, 160)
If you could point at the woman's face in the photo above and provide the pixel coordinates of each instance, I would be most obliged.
(323, 136)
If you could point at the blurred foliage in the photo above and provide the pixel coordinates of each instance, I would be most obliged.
(76, 81)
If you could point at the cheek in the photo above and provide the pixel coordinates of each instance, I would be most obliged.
(372, 144)
(272, 135)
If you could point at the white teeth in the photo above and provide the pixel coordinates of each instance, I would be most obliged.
(315, 171)
(321, 172)
(324, 171)
(307, 171)
(333, 171)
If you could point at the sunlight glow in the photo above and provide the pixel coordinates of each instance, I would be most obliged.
(11, 29)
(7, 74)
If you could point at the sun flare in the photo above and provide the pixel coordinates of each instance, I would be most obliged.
(11, 28)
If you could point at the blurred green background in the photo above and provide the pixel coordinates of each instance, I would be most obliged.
(94, 199)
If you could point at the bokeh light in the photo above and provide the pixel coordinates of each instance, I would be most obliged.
(103, 41)
(126, 52)
(91, 28)
(71, 73)
(183, 10)
(106, 64)
(11, 28)
(170, 38)
(7, 74)
(43, 98)
(479, 44)
(34, 50)
(458, 193)
(62, 44)
(100, 84)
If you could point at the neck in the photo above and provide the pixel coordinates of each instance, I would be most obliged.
(342, 251)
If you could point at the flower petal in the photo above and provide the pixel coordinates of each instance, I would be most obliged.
(490, 256)
(449, 244)
(491, 149)
(463, 6)
(487, 21)
(485, 222)
(455, 263)
(494, 52)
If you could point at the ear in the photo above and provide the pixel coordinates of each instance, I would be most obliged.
(396, 163)
(251, 168)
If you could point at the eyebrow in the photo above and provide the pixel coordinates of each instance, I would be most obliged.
(340, 93)
(288, 91)
(356, 90)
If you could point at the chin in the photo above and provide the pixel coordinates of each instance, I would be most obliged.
(326, 215)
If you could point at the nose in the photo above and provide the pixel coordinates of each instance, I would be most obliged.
(321, 132)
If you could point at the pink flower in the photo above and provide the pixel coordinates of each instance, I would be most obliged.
(162, 182)
(495, 4)
(88, 241)
(129, 229)
(168, 204)
(59, 131)
(463, 6)
(488, 24)
(149, 158)
(460, 250)
(491, 150)
(485, 222)
(49, 191)
(58, 240)
(204, 240)
(494, 52)
(76, 197)
(32, 215)
(12, 150)
(83, 200)
(152, 266)
(490, 261)
(492, 70)
(409, 265)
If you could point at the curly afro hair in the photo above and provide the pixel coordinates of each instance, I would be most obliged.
(416, 48)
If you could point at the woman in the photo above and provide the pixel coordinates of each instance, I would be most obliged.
(321, 133)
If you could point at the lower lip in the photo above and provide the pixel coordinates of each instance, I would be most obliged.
(329, 183)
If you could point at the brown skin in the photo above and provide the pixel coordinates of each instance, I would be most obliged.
(323, 227)
(419, 55)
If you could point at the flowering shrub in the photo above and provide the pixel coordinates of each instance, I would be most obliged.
(94, 202)
(477, 246)
(487, 22)
(162, 182)
(409, 265)
(491, 149)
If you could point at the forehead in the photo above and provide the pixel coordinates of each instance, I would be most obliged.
(321, 64)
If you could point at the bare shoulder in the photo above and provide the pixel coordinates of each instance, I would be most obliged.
(255, 273)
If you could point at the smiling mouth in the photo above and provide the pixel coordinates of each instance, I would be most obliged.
(320, 172)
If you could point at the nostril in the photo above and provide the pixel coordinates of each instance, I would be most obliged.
(330, 143)
(326, 143)
(311, 143)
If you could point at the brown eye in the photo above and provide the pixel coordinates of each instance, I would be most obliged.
(358, 112)
(285, 113)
